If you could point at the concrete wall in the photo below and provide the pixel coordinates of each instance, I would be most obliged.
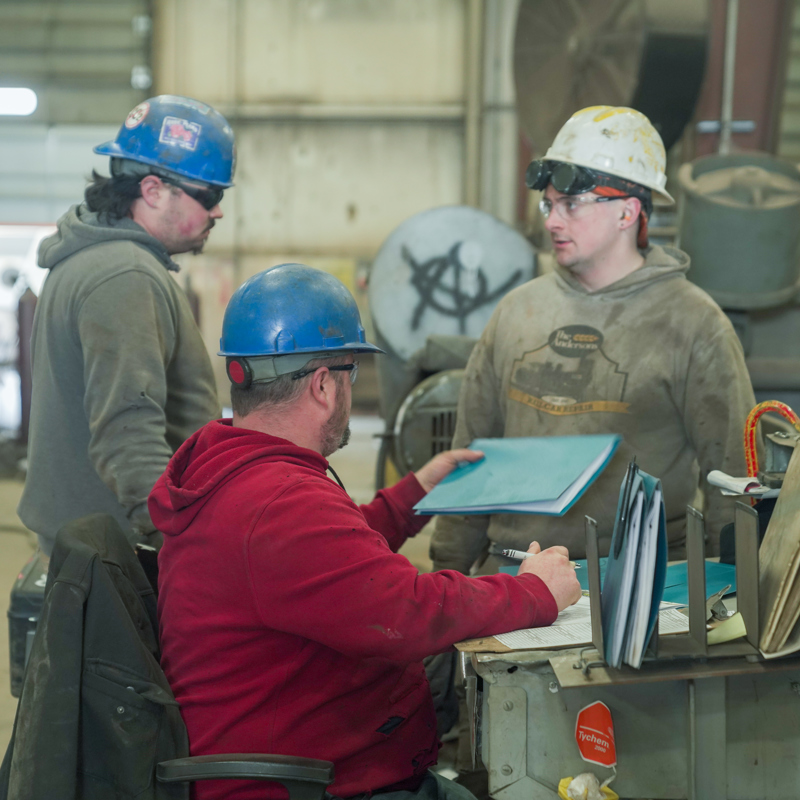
(350, 117)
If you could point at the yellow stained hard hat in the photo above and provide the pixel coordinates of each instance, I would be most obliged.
(616, 140)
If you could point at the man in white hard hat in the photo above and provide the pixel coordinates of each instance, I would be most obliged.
(614, 340)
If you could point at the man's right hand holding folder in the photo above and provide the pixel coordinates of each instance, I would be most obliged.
(554, 568)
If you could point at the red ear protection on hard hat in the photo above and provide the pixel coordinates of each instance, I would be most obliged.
(240, 373)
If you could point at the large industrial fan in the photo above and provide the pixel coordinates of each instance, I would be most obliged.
(646, 54)
(433, 287)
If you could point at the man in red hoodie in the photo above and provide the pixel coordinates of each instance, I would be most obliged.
(289, 623)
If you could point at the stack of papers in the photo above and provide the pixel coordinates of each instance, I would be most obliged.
(525, 475)
(636, 569)
(732, 487)
(573, 628)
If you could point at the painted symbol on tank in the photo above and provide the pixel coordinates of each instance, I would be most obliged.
(454, 284)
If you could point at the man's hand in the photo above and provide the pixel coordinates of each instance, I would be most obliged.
(442, 465)
(556, 570)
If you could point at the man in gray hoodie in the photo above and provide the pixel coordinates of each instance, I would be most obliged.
(614, 340)
(121, 376)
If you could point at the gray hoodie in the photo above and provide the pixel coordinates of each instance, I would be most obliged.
(121, 376)
(650, 357)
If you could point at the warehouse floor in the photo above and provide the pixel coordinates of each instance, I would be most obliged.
(355, 465)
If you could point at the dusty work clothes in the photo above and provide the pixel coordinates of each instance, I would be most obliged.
(290, 625)
(650, 357)
(121, 376)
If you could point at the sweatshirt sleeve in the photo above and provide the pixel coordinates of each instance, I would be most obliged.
(335, 581)
(458, 541)
(392, 511)
(718, 398)
(127, 336)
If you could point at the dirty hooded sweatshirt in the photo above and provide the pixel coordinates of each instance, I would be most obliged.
(121, 376)
(650, 357)
(290, 625)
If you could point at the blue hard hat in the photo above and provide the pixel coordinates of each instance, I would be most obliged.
(180, 135)
(292, 309)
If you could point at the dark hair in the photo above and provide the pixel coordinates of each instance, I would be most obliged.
(112, 197)
(282, 391)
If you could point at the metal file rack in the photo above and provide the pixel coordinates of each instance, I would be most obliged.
(695, 643)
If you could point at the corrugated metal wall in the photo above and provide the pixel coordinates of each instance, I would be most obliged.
(80, 57)
(789, 131)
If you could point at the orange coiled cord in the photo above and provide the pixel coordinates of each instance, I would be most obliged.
(750, 453)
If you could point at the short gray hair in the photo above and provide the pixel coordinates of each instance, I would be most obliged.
(279, 392)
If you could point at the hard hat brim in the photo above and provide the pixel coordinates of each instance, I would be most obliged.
(113, 150)
(353, 347)
(661, 193)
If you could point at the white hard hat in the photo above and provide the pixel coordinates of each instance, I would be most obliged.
(616, 140)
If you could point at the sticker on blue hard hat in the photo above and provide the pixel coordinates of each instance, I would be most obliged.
(137, 115)
(180, 132)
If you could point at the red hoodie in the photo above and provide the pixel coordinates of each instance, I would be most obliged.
(290, 625)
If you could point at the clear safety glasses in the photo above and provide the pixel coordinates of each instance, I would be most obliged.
(351, 368)
(572, 207)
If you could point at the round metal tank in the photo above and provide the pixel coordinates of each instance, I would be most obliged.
(427, 419)
(740, 224)
(443, 271)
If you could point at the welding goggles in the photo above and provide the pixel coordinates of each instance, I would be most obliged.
(566, 178)
(574, 179)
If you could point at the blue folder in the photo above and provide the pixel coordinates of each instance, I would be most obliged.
(525, 475)
(619, 588)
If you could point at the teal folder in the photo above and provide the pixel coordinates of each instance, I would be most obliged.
(525, 475)
(718, 576)
(636, 569)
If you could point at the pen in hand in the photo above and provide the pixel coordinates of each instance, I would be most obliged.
(521, 555)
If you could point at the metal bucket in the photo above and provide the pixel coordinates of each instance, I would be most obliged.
(739, 222)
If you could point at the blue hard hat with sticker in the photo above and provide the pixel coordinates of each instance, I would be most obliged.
(180, 135)
(292, 309)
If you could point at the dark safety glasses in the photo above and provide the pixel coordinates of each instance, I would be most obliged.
(207, 197)
(565, 178)
(351, 368)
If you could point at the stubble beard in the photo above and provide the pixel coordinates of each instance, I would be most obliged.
(198, 248)
(336, 431)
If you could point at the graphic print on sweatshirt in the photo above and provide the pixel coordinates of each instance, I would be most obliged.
(570, 374)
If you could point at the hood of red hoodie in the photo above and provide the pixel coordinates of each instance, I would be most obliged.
(209, 458)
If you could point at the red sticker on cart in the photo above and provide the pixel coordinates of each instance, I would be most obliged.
(137, 115)
(594, 733)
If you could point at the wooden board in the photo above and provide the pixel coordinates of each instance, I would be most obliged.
(779, 560)
(488, 644)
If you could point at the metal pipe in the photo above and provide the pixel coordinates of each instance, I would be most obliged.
(452, 113)
(728, 77)
(473, 80)
(691, 777)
